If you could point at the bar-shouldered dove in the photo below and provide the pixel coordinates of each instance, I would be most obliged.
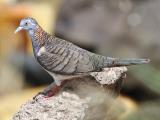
(63, 59)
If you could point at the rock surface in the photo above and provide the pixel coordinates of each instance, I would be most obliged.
(80, 99)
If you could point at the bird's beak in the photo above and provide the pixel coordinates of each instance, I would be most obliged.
(18, 29)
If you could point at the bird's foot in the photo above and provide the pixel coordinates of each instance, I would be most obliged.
(37, 95)
(50, 91)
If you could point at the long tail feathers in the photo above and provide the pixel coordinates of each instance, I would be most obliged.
(115, 62)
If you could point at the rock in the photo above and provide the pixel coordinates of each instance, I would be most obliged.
(79, 99)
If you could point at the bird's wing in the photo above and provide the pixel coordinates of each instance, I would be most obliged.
(66, 58)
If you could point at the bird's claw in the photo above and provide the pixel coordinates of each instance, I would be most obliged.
(48, 92)
(38, 94)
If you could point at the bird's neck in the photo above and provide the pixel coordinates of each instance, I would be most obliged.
(38, 37)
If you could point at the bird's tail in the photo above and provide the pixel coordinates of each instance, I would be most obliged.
(115, 62)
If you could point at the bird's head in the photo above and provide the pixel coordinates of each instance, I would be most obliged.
(27, 24)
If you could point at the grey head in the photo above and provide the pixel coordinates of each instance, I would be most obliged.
(27, 24)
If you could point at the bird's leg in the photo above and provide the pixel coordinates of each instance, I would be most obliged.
(51, 90)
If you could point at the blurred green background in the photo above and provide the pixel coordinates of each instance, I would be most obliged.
(117, 28)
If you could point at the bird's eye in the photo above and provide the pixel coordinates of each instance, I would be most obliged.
(26, 23)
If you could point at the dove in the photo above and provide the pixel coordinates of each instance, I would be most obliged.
(63, 59)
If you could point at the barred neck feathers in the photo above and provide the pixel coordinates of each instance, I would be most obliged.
(39, 37)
